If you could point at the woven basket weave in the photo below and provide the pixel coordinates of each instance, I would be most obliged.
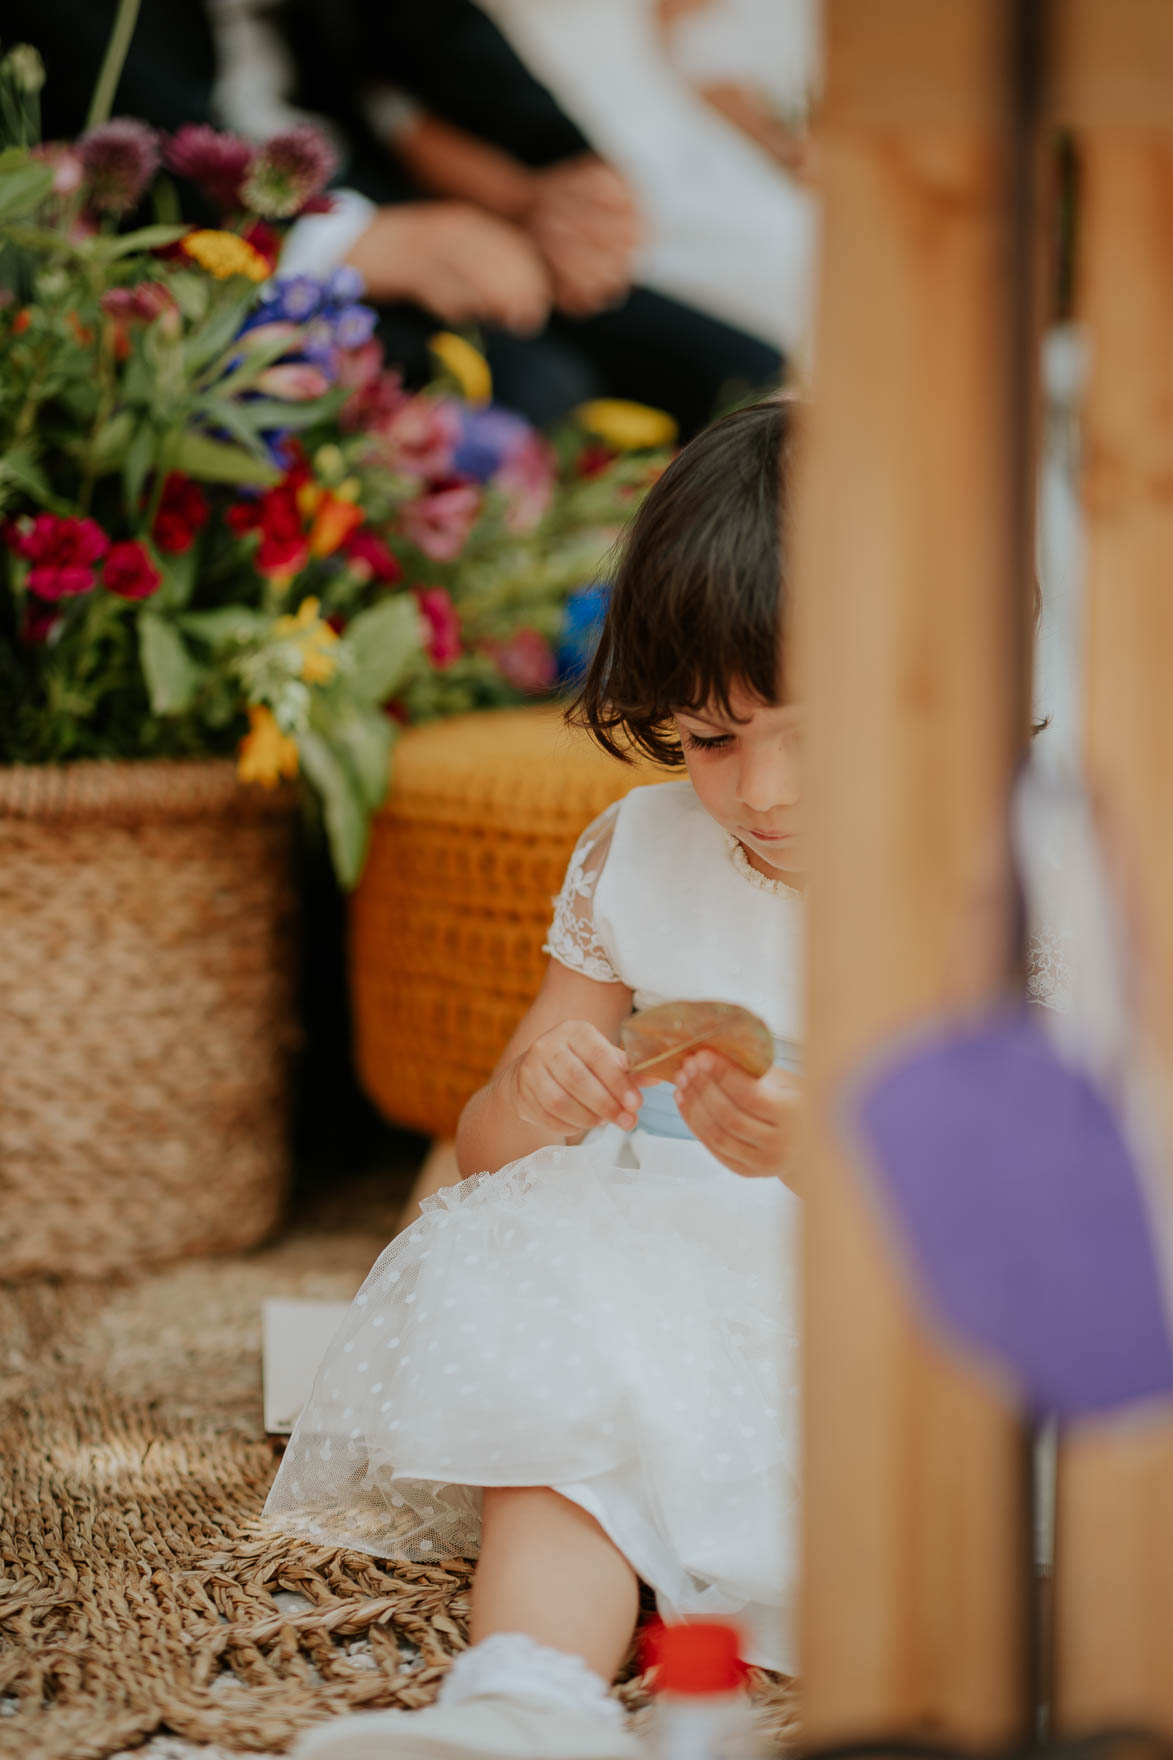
(448, 921)
(147, 952)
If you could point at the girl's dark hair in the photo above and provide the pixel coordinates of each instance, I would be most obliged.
(698, 602)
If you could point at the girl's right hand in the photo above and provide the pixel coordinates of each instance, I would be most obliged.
(572, 1078)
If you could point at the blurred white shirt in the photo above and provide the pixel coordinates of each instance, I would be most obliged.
(729, 231)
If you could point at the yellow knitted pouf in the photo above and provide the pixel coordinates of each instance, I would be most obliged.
(448, 921)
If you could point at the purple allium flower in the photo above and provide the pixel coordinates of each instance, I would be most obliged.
(120, 159)
(353, 326)
(217, 163)
(289, 169)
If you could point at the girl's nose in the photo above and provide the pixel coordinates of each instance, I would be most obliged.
(766, 781)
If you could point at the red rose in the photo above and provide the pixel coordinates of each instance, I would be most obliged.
(276, 515)
(62, 552)
(593, 459)
(442, 624)
(183, 512)
(371, 557)
(129, 572)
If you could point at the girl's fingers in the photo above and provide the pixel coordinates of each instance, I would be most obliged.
(765, 1098)
(584, 1088)
(608, 1065)
(712, 1116)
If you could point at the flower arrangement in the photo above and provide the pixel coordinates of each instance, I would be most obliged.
(226, 526)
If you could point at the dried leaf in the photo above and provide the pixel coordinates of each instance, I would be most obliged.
(658, 1040)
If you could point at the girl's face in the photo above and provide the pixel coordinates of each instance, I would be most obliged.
(746, 768)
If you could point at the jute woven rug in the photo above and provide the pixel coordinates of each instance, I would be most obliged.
(139, 1598)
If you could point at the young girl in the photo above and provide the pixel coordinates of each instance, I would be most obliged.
(581, 1362)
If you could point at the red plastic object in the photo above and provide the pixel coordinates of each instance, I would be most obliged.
(699, 1657)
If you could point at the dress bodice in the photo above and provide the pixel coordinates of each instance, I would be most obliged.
(660, 898)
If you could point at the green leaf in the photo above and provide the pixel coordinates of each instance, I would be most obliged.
(347, 820)
(257, 357)
(137, 465)
(386, 643)
(19, 467)
(219, 329)
(179, 577)
(23, 187)
(216, 462)
(363, 738)
(171, 674)
(222, 413)
(265, 413)
(146, 238)
(226, 625)
(107, 451)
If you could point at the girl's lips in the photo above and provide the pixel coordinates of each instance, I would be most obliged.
(767, 836)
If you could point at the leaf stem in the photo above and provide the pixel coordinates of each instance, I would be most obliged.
(112, 63)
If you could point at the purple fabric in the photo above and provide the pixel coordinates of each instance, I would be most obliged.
(1021, 1208)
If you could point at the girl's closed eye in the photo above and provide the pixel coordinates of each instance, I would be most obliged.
(699, 743)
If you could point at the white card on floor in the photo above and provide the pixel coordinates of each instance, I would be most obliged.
(294, 1337)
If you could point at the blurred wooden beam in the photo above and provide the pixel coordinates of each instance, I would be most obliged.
(1114, 85)
(913, 560)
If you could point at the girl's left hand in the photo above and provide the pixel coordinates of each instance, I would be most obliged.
(747, 1122)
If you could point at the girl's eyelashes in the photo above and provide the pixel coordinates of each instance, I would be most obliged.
(696, 743)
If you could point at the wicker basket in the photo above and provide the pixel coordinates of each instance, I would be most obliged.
(147, 950)
(448, 921)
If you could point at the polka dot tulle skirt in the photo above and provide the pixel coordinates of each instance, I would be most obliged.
(614, 1320)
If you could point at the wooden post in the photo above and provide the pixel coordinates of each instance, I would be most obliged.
(1114, 86)
(912, 650)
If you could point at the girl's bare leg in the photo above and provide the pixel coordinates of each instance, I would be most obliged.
(547, 1569)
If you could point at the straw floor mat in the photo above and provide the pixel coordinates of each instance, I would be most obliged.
(141, 1607)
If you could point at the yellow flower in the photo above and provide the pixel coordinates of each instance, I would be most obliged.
(628, 427)
(265, 753)
(467, 365)
(315, 638)
(223, 254)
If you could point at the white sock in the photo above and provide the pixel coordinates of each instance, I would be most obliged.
(512, 1665)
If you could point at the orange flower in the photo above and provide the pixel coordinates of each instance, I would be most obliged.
(334, 520)
(265, 753)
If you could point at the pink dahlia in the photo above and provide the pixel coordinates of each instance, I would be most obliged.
(217, 163)
(417, 437)
(439, 522)
(527, 661)
(527, 480)
(288, 172)
(62, 552)
(119, 158)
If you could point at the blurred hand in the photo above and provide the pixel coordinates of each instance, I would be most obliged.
(584, 220)
(464, 265)
(572, 1078)
(747, 1122)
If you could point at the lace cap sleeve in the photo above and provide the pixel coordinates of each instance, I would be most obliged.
(574, 940)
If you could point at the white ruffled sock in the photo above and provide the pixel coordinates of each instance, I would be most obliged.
(512, 1665)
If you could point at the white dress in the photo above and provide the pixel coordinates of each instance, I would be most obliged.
(616, 1319)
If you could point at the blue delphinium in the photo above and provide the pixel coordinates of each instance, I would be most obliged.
(330, 312)
(582, 625)
(489, 437)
